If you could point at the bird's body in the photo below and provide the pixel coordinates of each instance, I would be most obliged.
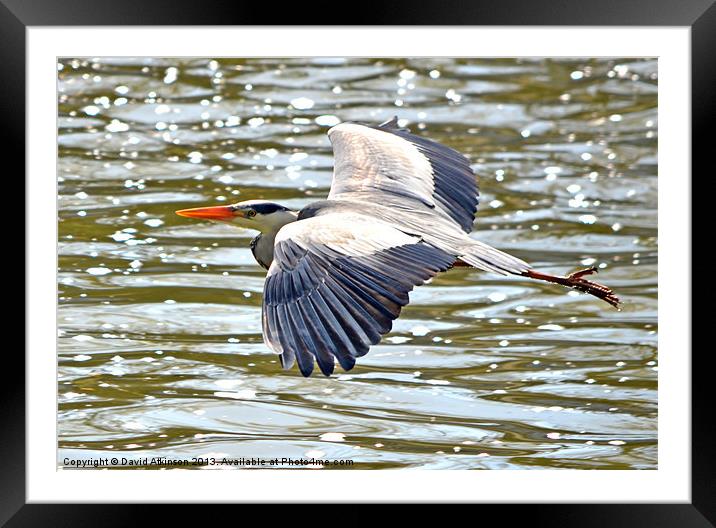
(400, 210)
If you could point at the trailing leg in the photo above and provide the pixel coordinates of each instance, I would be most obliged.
(576, 281)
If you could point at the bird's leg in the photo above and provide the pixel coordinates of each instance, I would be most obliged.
(576, 281)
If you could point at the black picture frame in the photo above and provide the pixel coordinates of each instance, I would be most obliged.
(699, 15)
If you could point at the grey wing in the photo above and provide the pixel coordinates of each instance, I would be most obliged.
(336, 285)
(418, 185)
(402, 167)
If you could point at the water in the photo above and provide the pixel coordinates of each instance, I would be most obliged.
(160, 349)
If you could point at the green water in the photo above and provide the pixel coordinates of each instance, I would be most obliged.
(160, 349)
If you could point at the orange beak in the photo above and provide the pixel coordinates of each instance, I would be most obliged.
(219, 212)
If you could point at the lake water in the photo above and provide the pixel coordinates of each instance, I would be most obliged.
(160, 348)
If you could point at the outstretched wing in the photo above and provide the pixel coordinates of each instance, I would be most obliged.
(336, 284)
(388, 165)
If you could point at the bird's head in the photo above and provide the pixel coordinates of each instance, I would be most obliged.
(260, 215)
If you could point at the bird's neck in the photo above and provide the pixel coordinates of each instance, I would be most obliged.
(262, 248)
(262, 244)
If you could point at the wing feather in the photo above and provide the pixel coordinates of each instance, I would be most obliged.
(405, 168)
(347, 349)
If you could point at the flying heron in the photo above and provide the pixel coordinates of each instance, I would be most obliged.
(399, 211)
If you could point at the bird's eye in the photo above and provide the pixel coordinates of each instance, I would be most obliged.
(250, 213)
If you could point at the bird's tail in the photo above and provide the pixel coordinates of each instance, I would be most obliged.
(484, 257)
(487, 258)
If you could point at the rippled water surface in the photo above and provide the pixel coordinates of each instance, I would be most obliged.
(160, 349)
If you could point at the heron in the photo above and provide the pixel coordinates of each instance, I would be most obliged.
(400, 210)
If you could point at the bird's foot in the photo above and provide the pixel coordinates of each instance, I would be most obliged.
(576, 281)
(605, 293)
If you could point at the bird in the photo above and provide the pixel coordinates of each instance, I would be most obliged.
(400, 210)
